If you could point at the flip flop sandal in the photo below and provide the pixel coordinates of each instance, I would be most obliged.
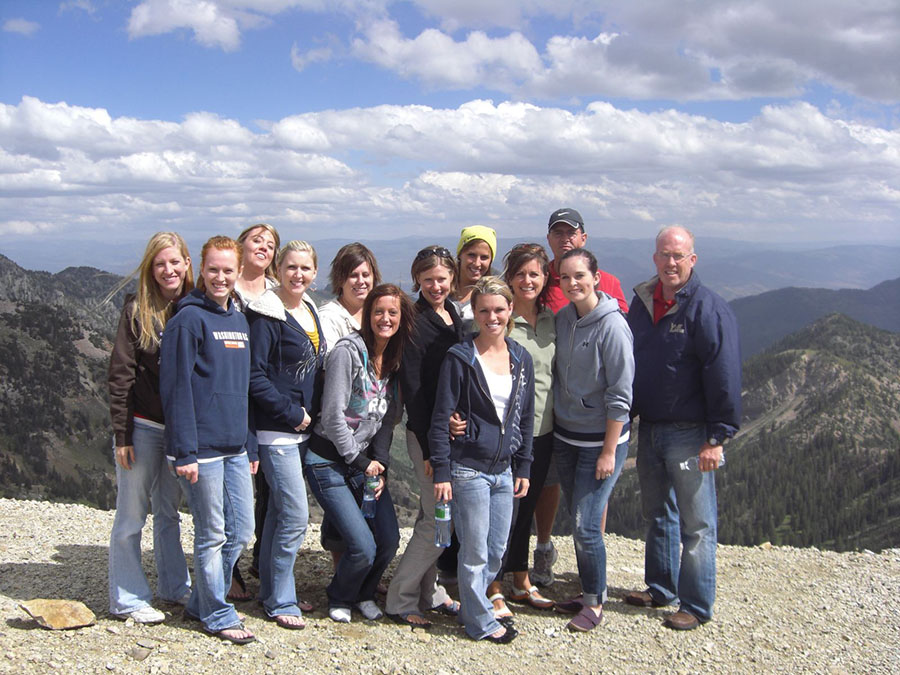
(500, 614)
(585, 620)
(244, 595)
(233, 638)
(284, 621)
(403, 619)
(531, 597)
(448, 610)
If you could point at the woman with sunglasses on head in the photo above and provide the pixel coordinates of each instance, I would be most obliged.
(204, 382)
(351, 444)
(526, 273)
(475, 253)
(438, 326)
(259, 243)
(286, 355)
(143, 478)
(489, 379)
(591, 400)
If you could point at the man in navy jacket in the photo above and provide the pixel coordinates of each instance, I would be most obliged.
(687, 394)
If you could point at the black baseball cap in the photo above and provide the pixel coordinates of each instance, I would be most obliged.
(567, 216)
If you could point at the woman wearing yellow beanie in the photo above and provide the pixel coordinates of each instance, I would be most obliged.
(475, 252)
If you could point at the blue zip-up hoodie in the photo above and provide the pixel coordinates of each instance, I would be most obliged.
(489, 444)
(687, 366)
(283, 365)
(204, 375)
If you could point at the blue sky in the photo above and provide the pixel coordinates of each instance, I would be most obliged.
(759, 121)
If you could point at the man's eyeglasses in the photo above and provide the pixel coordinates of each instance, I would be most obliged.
(676, 257)
(429, 251)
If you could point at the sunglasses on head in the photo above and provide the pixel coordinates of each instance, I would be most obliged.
(429, 251)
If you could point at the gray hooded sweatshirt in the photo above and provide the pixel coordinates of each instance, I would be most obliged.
(593, 373)
(358, 411)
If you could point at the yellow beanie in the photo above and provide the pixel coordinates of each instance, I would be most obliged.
(473, 232)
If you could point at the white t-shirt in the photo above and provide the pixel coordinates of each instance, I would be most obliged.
(499, 387)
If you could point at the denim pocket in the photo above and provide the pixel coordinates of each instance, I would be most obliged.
(458, 472)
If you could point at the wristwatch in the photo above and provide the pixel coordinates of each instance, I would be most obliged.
(713, 441)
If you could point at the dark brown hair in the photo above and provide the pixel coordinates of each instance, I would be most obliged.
(522, 254)
(390, 360)
(347, 259)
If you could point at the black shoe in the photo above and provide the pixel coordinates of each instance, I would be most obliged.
(504, 639)
(507, 621)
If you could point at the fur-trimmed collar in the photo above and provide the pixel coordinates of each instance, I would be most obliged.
(269, 304)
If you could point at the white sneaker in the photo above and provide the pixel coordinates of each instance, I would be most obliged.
(339, 614)
(146, 614)
(542, 574)
(370, 610)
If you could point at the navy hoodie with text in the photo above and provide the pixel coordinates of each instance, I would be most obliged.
(204, 380)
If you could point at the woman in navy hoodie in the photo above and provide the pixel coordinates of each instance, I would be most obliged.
(286, 355)
(489, 380)
(204, 381)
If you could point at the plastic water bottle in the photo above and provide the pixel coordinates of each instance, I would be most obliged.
(442, 530)
(368, 502)
(693, 463)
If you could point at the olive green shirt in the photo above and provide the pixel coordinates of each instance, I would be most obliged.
(541, 345)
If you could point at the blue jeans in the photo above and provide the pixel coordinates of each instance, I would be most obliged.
(287, 516)
(371, 542)
(222, 505)
(586, 498)
(680, 507)
(482, 512)
(149, 482)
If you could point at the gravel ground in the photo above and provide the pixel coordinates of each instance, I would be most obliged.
(778, 610)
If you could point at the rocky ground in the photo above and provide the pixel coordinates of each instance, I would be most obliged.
(778, 609)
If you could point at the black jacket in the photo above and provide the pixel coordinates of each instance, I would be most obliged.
(421, 366)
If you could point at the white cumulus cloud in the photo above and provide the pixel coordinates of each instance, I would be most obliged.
(21, 26)
(792, 171)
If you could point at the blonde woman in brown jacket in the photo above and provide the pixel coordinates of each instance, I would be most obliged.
(143, 477)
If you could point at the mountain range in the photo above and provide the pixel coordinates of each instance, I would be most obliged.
(817, 461)
(765, 318)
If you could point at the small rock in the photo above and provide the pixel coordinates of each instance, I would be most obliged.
(423, 637)
(139, 653)
(115, 630)
(110, 666)
(147, 644)
(270, 654)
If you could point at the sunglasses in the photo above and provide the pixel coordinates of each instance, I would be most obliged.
(429, 251)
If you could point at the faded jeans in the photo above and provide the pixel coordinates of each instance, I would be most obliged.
(287, 516)
(222, 505)
(149, 483)
(680, 506)
(586, 498)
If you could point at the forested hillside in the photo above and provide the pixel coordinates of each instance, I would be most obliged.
(54, 348)
(817, 462)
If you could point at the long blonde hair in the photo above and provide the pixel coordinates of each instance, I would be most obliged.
(271, 271)
(151, 309)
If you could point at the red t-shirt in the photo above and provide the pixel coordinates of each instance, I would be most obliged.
(609, 284)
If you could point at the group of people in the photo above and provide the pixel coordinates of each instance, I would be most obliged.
(514, 385)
